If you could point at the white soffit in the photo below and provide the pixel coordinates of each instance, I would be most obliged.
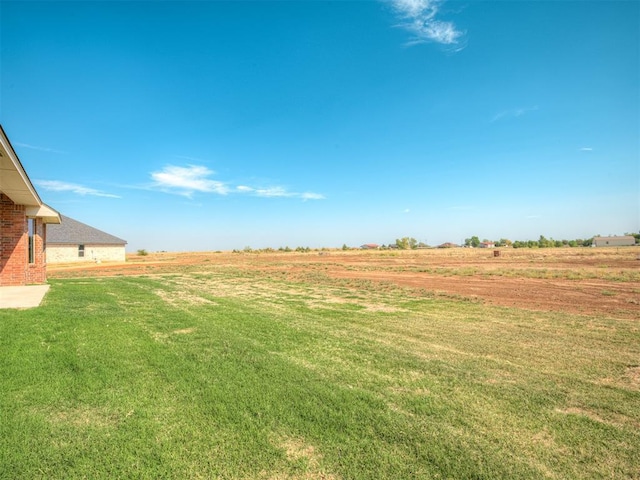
(48, 214)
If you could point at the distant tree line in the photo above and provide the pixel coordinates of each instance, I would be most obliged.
(410, 243)
(542, 242)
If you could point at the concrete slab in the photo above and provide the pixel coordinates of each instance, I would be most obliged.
(22, 297)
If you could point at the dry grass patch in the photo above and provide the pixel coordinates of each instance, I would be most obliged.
(183, 331)
(182, 297)
(613, 419)
(629, 379)
(85, 416)
(302, 455)
(633, 376)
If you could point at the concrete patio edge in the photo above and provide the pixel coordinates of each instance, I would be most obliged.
(29, 296)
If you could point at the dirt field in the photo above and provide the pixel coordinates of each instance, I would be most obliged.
(590, 281)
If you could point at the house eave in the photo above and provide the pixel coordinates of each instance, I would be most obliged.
(14, 182)
(45, 212)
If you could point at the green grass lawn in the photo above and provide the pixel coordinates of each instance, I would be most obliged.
(246, 375)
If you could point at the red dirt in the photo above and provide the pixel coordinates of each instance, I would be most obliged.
(571, 296)
(584, 280)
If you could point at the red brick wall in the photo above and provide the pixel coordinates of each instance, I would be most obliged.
(14, 264)
(37, 271)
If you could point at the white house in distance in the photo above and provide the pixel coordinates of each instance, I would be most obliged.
(621, 241)
(74, 241)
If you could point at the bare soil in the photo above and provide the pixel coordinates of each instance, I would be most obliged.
(589, 281)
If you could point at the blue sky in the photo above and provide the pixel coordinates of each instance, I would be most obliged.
(214, 125)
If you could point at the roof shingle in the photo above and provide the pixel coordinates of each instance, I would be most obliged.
(75, 232)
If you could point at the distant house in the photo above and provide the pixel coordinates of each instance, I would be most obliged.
(487, 245)
(621, 241)
(369, 246)
(74, 241)
(23, 223)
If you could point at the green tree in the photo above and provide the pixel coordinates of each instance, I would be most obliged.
(472, 242)
(543, 242)
(406, 243)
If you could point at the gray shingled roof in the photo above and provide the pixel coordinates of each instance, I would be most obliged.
(75, 232)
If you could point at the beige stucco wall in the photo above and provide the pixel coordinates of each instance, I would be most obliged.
(614, 242)
(92, 253)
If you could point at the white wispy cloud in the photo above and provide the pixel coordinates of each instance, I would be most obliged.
(311, 196)
(197, 178)
(586, 149)
(513, 113)
(273, 192)
(35, 147)
(57, 186)
(187, 180)
(419, 18)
